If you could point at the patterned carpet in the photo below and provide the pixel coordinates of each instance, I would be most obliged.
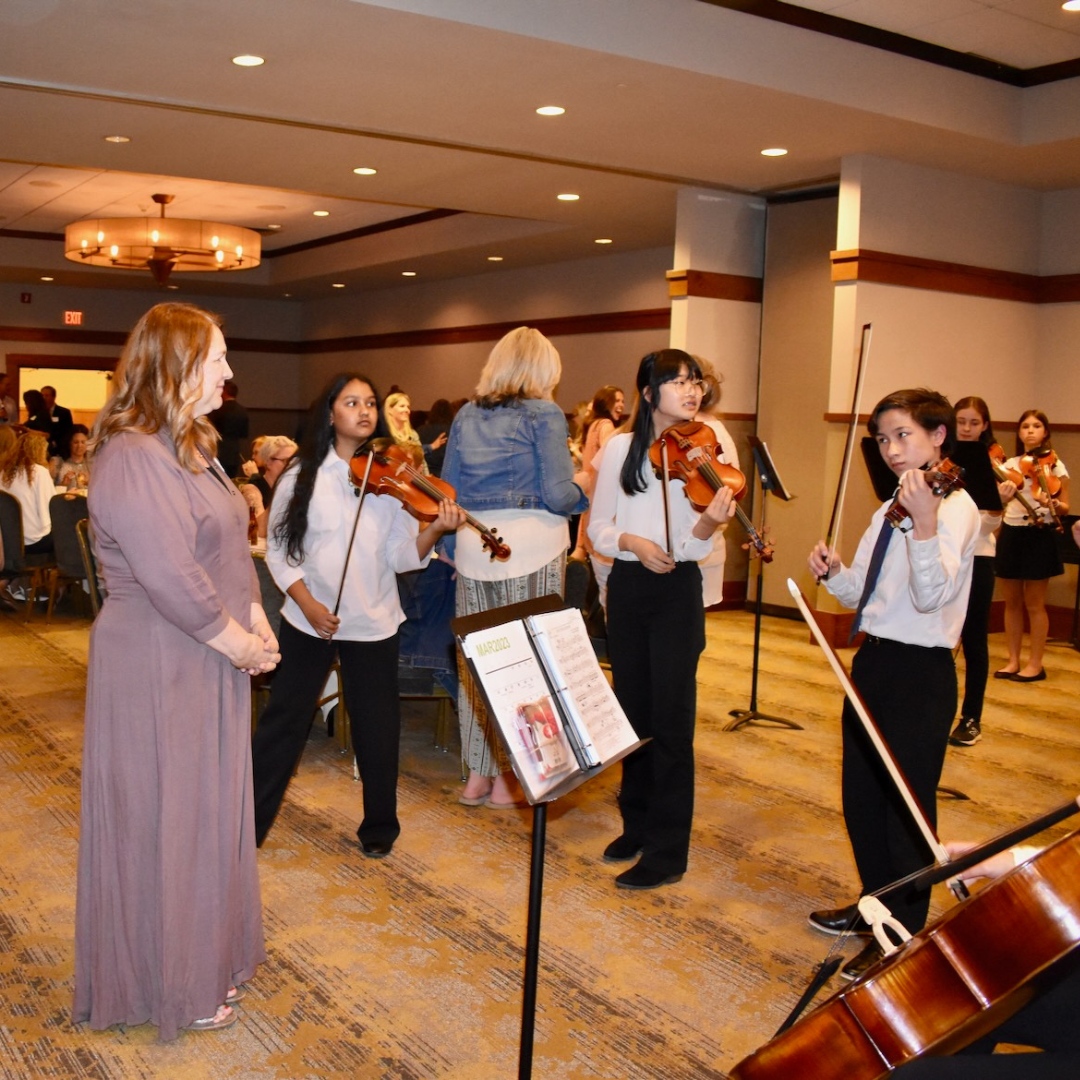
(410, 967)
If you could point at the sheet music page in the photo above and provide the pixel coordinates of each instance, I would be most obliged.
(567, 652)
(522, 706)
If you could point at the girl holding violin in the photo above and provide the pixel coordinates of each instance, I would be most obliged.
(973, 425)
(341, 599)
(1027, 553)
(656, 618)
(909, 583)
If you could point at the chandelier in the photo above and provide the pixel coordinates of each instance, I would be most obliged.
(162, 245)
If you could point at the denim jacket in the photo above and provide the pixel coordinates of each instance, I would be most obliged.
(513, 456)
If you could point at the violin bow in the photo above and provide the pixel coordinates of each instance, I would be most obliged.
(871, 728)
(356, 521)
(853, 427)
(664, 490)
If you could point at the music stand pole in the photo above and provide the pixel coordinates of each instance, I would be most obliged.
(770, 481)
(532, 941)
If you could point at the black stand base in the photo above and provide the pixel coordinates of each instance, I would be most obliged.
(742, 717)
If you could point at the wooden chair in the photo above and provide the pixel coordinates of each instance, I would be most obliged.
(17, 564)
(86, 550)
(65, 512)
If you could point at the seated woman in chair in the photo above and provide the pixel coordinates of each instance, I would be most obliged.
(24, 474)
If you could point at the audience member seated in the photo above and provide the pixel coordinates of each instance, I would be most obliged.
(73, 471)
(26, 476)
(271, 457)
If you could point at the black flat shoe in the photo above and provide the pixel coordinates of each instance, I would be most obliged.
(376, 849)
(641, 877)
(1004, 674)
(838, 921)
(862, 963)
(1038, 677)
(621, 849)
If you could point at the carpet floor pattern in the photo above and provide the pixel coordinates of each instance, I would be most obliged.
(410, 967)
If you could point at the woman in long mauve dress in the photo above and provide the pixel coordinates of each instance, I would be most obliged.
(168, 920)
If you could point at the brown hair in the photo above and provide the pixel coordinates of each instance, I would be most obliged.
(158, 382)
(30, 449)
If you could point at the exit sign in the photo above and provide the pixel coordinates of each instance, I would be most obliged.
(73, 318)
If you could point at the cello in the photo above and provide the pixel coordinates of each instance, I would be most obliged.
(953, 982)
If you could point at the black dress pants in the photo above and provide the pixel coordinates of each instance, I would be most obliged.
(369, 676)
(656, 632)
(974, 636)
(910, 692)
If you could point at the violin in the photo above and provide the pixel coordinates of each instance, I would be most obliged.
(691, 453)
(944, 478)
(1037, 466)
(952, 983)
(392, 472)
(1012, 476)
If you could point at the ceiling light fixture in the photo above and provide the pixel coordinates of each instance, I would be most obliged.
(364, 171)
(550, 110)
(247, 60)
(1071, 5)
(568, 197)
(408, 273)
(117, 138)
(774, 151)
(48, 279)
(320, 213)
(603, 240)
(495, 258)
(162, 245)
(338, 285)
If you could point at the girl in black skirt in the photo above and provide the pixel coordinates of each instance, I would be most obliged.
(1027, 553)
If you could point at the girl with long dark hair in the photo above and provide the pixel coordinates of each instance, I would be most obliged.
(308, 543)
(655, 619)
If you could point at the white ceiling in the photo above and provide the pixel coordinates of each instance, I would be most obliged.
(440, 96)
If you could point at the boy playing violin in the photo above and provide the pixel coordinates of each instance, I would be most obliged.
(909, 583)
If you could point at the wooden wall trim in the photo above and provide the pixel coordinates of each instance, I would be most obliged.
(605, 322)
(888, 268)
(713, 285)
(864, 419)
(601, 323)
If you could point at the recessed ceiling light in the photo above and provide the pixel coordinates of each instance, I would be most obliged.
(602, 240)
(408, 273)
(247, 60)
(320, 213)
(1071, 5)
(775, 151)
(273, 227)
(551, 110)
(338, 285)
(172, 286)
(364, 171)
(568, 197)
(48, 279)
(117, 138)
(287, 295)
(495, 258)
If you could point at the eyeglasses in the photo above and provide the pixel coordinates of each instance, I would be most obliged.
(282, 460)
(683, 383)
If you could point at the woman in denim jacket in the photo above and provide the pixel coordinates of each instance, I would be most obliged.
(508, 460)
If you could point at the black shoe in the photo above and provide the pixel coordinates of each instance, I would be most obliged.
(967, 732)
(1037, 677)
(376, 849)
(622, 849)
(641, 877)
(1004, 674)
(840, 921)
(865, 960)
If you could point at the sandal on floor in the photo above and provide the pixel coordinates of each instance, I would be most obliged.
(223, 1018)
(235, 994)
(480, 800)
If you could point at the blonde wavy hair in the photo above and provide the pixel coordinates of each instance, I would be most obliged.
(523, 364)
(159, 383)
(271, 445)
(399, 432)
(31, 448)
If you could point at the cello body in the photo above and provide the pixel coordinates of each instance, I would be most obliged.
(953, 982)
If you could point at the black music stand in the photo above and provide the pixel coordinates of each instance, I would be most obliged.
(770, 481)
(462, 626)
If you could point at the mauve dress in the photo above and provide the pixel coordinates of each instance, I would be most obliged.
(168, 915)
